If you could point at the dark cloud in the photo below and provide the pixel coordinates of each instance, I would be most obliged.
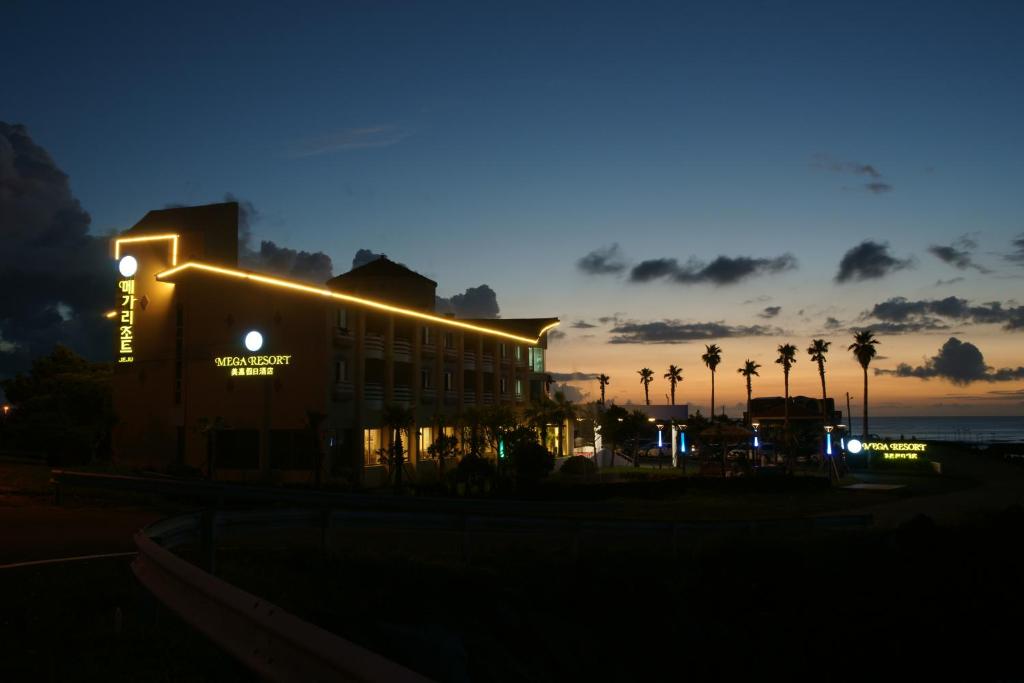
(905, 315)
(313, 267)
(828, 163)
(603, 261)
(950, 281)
(572, 376)
(832, 323)
(959, 254)
(364, 256)
(677, 332)
(571, 393)
(556, 334)
(868, 261)
(475, 302)
(582, 325)
(614, 318)
(56, 276)
(960, 363)
(1017, 255)
(724, 270)
(770, 312)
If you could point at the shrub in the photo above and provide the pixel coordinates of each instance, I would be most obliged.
(531, 462)
(579, 465)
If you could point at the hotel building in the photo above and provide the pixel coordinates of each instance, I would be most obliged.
(250, 376)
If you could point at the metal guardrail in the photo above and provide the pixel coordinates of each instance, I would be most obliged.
(273, 643)
(278, 645)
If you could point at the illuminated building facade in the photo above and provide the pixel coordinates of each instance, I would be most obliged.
(255, 377)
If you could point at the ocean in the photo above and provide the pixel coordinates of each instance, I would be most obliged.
(965, 429)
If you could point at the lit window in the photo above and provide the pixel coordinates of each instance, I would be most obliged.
(340, 370)
(448, 381)
(425, 379)
(426, 338)
(536, 359)
(504, 350)
(519, 388)
(343, 318)
(504, 385)
(371, 444)
(426, 435)
(519, 352)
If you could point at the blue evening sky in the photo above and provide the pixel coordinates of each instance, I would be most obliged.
(499, 142)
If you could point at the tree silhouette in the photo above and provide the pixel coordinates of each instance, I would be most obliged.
(712, 357)
(750, 369)
(864, 350)
(604, 380)
(646, 377)
(787, 357)
(674, 377)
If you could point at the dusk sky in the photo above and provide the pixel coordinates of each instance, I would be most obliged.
(855, 165)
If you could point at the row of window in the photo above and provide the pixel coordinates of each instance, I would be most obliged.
(427, 337)
(341, 374)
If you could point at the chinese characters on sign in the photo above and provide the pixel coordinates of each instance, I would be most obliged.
(897, 450)
(252, 366)
(126, 316)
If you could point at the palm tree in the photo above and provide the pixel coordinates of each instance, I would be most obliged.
(563, 412)
(646, 377)
(674, 377)
(817, 351)
(787, 357)
(750, 369)
(397, 419)
(863, 348)
(712, 357)
(604, 380)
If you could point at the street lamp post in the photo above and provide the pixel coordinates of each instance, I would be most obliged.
(757, 442)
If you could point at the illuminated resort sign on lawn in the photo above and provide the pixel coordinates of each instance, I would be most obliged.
(897, 450)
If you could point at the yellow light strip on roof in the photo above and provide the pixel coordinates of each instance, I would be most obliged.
(331, 294)
(148, 238)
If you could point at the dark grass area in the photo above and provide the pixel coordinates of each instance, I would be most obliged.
(91, 621)
(919, 601)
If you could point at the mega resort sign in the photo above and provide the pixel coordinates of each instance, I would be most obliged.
(897, 450)
(252, 366)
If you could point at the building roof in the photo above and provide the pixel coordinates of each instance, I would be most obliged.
(382, 267)
(521, 330)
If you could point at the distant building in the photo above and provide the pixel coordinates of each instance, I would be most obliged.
(252, 376)
(804, 417)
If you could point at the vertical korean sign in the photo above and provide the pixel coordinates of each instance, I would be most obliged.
(126, 320)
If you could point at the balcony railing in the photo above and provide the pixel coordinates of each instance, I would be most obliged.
(403, 349)
(429, 349)
(450, 397)
(373, 345)
(488, 398)
(450, 352)
(344, 391)
(343, 337)
(373, 391)
(488, 362)
(469, 398)
(403, 394)
(469, 360)
(428, 395)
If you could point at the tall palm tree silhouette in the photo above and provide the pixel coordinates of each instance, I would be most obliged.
(712, 357)
(787, 357)
(863, 348)
(817, 351)
(604, 380)
(750, 369)
(646, 377)
(674, 377)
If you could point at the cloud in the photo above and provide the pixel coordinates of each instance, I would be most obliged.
(868, 261)
(958, 254)
(571, 393)
(475, 302)
(603, 261)
(724, 270)
(933, 314)
(832, 323)
(56, 276)
(614, 319)
(352, 138)
(556, 334)
(572, 376)
(1017, 255)
(826, 162)
(677, 332)
(950, 281)
(770, 312)
(959, 362)
(313, 266)
(582, 325)
(364, 256)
